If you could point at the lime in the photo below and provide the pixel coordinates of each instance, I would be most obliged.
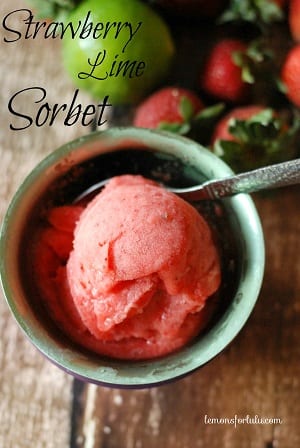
(116, 48)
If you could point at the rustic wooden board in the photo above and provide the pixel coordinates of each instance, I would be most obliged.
(258, 375)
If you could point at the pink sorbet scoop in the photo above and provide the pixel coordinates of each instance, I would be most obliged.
(142, 267)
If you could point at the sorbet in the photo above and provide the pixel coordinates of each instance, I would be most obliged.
(129, 274)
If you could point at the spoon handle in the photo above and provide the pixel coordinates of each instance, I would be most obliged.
(273, 176)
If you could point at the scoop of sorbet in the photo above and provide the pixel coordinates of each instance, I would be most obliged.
(142, 266)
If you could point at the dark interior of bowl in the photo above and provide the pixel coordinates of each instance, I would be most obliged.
(158, 166)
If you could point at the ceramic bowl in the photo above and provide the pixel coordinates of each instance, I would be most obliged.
(170, 159)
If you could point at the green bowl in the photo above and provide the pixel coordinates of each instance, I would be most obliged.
(168, 158)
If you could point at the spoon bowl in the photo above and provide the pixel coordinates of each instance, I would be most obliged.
(71, 170)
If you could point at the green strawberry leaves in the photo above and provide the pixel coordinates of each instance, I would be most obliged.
(261, 140)
(210, 113)
(193, 125)
(178, 128)
(186, 110)
(259, 66)
(261, 13)
(256, 61)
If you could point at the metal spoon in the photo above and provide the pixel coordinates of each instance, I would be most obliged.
(273, 176)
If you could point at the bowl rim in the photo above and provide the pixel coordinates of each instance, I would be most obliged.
(135, 374)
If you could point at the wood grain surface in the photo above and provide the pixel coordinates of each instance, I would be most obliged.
(257, 376)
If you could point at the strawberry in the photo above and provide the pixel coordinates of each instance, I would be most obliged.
(290, 75)
(294, 19)
(222, 76)
(170, 108)
(222, 132)
(252, 136)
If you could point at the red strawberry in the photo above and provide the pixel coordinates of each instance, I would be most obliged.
(221, 131)
(290, 75)
(170, 108)
(294, 19)
(253, 136)
(221, 76)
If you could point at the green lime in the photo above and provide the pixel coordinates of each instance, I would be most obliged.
(121, 49)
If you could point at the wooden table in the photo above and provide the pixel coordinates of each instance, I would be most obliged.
(257, 376)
